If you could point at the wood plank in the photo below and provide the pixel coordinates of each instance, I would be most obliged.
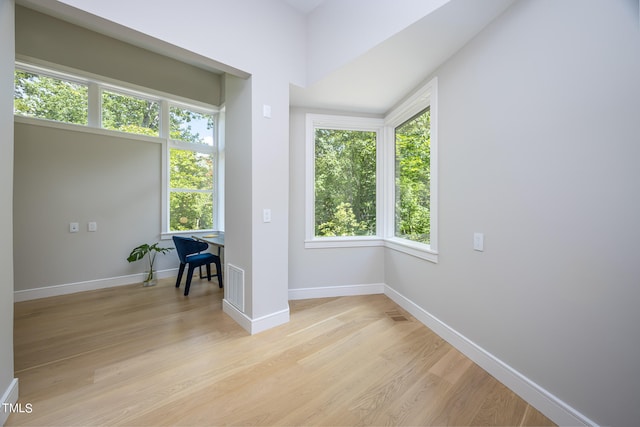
(150, 356)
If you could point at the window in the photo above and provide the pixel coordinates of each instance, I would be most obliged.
(51, 98)
(345, 182)
(191, 170)
(373, 181)
(189, 132)
(412, 209)
(190, 126)
(128, 113)
(342, 191)
(412, 178)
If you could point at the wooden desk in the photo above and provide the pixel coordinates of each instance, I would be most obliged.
(215, 238)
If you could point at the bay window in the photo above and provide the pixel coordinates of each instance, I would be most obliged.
(374, 181)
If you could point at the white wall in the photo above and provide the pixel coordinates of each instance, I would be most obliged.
(46, 38)
(270, 186)
(7, 8)
(251, 35)
(238, 174)
(339, 31)
(64, 176)
(257, 178)
(539, 148)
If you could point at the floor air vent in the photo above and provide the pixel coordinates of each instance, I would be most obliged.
(396, 316)
(234, 289)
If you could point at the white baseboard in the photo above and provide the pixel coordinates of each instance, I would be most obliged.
(269, 321)
(551, 406)
(240, 318)
(336, 291)
(90, 285)
(257, 325)
(10, 396)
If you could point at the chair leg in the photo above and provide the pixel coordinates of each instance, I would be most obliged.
(209, 272)
(180, 271)
(189, 275)
(219, 271)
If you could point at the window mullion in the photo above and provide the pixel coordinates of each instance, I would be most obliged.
(164, 119)
(166, 172)
(94, 108)
(190, 190)
(198, 148)
(388, 182)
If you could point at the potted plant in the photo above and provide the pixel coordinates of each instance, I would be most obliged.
(150, 251)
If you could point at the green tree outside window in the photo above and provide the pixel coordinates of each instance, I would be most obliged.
(345, 183)
(50, 98)
(130, 114)
(191, 183)
(413, 175)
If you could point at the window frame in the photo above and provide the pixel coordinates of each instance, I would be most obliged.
(424, 97)
(217, 191)
(52, 74)
(120, 91)
(336, 122)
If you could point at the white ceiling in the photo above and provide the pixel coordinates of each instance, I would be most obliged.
(304, 6)
(375, 81)
(380, 78)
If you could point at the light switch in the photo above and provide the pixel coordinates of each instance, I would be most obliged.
(266, 111)
(478, 241)
(74, 227)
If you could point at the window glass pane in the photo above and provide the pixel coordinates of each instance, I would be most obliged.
(345, 183)
(191, 126)
(190, 211)
(130, 114)
(412, 216)
(190, 170)
(50, 98)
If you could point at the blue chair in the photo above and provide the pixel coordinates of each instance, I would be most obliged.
(189, 253)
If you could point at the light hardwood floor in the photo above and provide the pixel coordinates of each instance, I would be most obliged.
(134, 356)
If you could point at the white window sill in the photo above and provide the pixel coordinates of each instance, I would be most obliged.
(168, 235)
(415, 249)
(419, 250)
(343, 242)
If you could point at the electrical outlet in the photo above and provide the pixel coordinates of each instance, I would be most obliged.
(92, 226)
(74, 227)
